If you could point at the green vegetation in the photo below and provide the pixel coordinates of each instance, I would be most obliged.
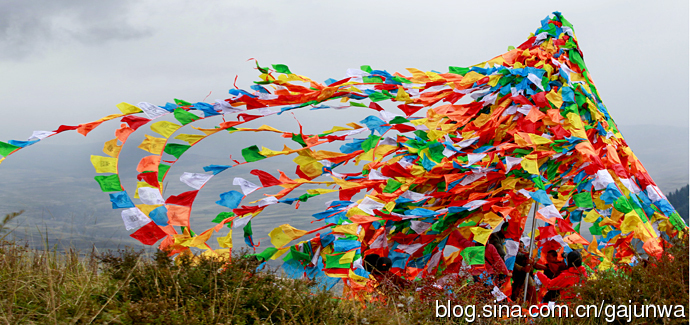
(128, 287)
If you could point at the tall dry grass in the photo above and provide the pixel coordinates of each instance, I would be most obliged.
(130, 287)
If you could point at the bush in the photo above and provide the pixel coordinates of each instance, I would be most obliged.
(128, 287)
(656, 281)
(209, 290)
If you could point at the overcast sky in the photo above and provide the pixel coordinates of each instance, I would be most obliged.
(70, 62)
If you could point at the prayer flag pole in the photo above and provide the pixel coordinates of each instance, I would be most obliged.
(531, 242)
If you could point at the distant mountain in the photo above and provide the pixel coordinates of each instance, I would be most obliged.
(679, 199)
(663, 150)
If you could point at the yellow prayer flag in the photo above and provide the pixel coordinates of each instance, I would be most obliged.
(226, 241)
(605, 265)
(344, 184)
(284, 234)
(389, 206)
(209, 131)
(509, 183)
(190, 138)
(200, 240)
(321, 191)
(108, 118)
(111, 148)
(521, 140)
(270, 153)
(630, 223)
(593, 248)
(357, 279)
(420, 121)
(280, 253)
(310, 166)
(347, 257)
(336, 129)
(592, 216)
(323, 154)
(403, 96)
(104, 164)
(147, 208)
(355, 211)
(418, 76)
(530, 165)
(536, 139)
(470, 78)
(153, 145)
(481, 235)
(492, 219)
(350, 229)
(268, 128)
(165, 128)
(126, 108)
(434, 76)
(435, 134)
(493, 79)
(555, 98)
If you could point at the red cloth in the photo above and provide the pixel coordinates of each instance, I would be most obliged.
(565, 281)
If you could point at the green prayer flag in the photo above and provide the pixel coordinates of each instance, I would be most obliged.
(294, 254)
(677, 221)
(252, 154)
(373, 79)
(266, 254)
(248, 229)
(370, 142)
(6, 148)
(298, 138)
(262, 69)
(184, 117)
(584, 200)
(180, 102)
(304, 197)
(176, 149)
(366, 68)
(401, 80)
(458, 70)
(622, 205)
(436, 152)
(473, 255)
(377, 97)
(576, 58)
(333, 261)
(281, 68)
(398, 120)
(357, 104)
(162, 169)
(109, 183)
(222, 216)
(392, 186)
(595, 229)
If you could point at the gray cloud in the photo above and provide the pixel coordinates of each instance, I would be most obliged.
(29, 27)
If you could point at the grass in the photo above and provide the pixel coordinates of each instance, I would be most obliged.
(130, 287)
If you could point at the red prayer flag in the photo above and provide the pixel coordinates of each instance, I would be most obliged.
(184, 199)
(265, 178)
(149, 234)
